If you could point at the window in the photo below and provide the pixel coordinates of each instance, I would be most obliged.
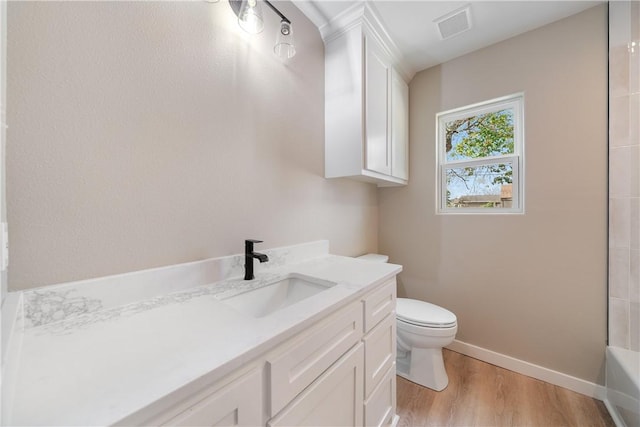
(480, 157)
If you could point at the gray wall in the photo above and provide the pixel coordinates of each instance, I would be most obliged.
(531, 286)
(145, 134)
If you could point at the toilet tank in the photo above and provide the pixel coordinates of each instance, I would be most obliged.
(374, 257)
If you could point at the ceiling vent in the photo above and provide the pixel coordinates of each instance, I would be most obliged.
(454, 23)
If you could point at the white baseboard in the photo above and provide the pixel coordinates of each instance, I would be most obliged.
(529, 369)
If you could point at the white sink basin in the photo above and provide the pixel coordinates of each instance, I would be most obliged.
(277, 295)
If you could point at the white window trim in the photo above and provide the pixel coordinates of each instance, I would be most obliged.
(514, 101)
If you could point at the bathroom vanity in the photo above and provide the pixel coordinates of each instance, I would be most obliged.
(195, 344)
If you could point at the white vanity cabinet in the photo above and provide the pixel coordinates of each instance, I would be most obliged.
(360, 387)
(339, 371)
(366, 104)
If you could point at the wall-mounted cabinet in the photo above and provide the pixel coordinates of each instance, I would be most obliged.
(366, 102)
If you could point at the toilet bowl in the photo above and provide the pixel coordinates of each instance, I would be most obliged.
(422, 330)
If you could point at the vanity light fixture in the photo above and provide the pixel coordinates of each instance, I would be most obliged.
(249, 13)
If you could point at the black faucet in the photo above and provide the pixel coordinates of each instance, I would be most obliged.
(249, 255)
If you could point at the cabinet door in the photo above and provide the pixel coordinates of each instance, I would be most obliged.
(377, 72)
(236, 404)
(334, 399)
(399, 127)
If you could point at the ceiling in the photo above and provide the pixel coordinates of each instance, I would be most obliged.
(410, 23)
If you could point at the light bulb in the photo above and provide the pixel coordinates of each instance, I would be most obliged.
(250, 17)
(284, 47)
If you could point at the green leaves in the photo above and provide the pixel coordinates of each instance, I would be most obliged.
(485, 135)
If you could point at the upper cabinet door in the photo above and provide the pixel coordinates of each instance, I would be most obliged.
(399, 127)
(377, 72)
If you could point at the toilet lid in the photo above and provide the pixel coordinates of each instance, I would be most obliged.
(422, 313)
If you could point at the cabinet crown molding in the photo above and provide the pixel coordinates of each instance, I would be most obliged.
(364, 15)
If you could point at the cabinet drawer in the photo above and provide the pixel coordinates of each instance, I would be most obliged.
(335, 399)
(379, 304)
(380, 408)
(235, 404)
(300, 362)
(380, 352)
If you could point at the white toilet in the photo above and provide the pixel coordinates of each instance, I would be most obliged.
(422, 329)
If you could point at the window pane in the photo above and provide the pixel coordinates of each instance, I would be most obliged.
(478, 136)
(485, 186)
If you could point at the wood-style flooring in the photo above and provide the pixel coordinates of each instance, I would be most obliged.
(481, 394)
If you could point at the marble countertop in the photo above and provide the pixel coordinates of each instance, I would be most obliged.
(105, 365)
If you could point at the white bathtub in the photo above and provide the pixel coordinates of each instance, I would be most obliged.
(623, 386)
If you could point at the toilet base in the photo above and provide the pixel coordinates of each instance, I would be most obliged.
(423, 366)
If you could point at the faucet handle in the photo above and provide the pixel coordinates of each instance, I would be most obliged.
(248, 245)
